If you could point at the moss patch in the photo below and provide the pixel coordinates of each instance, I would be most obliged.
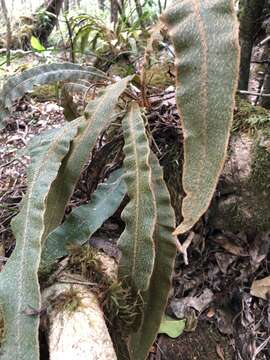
(68, 301)
(46, 92)
(249, 117)
(121, 306)
(85, 262)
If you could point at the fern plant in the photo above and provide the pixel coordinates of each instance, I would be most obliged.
(207, 71)
(91, 33)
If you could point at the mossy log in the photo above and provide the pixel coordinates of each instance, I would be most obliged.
(74, 323)
(77, 327)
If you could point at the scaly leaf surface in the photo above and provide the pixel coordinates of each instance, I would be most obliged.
(136, 242)
(18, 85)
(84, 220)
(98, 115)
(155, 298)
(19, 287)
(205, 38)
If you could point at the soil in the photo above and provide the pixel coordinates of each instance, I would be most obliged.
(204, 343)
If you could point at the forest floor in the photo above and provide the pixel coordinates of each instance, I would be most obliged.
(212, 292)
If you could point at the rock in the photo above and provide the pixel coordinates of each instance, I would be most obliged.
(242, 201)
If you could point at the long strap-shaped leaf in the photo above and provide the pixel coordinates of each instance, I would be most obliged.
(205, 37)
(136, 242)
(18, 85)
(19, 288)
(84, 220)
(98, 115)
(155, 298)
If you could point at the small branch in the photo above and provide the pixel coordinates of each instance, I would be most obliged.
(260, 61)
(18, 51)
(261, 347)
(264, 41)
(77, 282)
(253, 93)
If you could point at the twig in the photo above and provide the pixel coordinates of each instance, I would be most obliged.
(182, 248)
(71, 279)
(252, 93)
(15, 52)
(77, 282)
(260, 61)
(264, 41)
(260, 348)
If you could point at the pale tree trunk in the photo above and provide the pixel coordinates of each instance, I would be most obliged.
(250, 23)
(8, 27)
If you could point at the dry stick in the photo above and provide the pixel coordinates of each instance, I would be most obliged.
(261, 85)
(261, 88)
(264, 41)
(261, 347)
(77, 282)
(252, 93)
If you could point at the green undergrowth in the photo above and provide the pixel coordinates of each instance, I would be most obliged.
(248, 117)
(49, 92)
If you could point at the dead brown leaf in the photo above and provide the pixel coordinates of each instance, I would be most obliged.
(261, 288)
(228, 245)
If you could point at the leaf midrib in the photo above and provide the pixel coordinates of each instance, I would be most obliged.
(24, 241)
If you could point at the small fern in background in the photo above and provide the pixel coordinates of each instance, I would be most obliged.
(90, 33)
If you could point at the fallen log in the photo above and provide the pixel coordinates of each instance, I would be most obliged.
(77, 328)
(75, 325)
